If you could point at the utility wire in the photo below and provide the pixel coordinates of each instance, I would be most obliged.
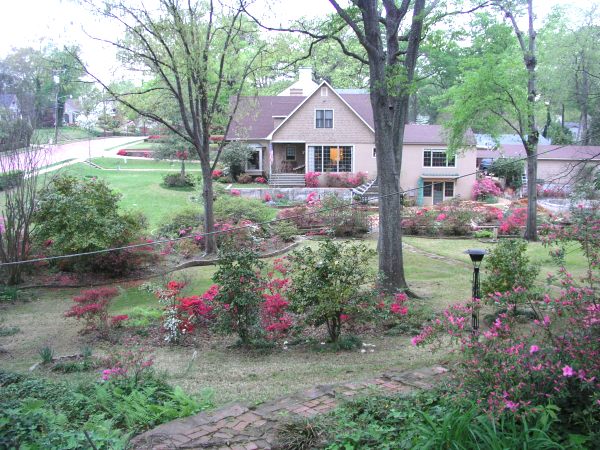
(268, 222)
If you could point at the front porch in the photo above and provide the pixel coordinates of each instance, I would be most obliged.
(288, 158)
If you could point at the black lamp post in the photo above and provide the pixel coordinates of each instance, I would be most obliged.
(476, 257)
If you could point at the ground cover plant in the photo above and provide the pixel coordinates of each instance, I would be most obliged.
(128, 398)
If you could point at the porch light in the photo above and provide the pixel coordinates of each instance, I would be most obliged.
(476, 256)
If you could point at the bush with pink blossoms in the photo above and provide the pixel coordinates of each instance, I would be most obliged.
(311, 179)
(485, 188)
(513, 221)
(509, 368)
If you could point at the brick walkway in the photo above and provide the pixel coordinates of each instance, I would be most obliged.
(238, 427)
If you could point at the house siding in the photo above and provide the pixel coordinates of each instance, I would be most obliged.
(348, 129)
(412, 170)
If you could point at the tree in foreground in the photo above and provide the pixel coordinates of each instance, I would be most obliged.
(390, 38)
(20, 180)
(199, 55)
(498, 92)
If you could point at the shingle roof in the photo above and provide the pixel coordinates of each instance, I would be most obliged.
(566, 152)
(254, 119)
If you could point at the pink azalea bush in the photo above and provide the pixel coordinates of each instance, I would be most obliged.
(555, 361)
(513, 221)
(260, 180)
(311, 179)
(485, 188)
(122, 152)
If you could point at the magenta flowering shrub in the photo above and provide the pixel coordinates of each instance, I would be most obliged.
(122, 152)
(555, 360)
(484, 188)
(132, 362)
(453, 218)
(513, 221)
(261, 180)
(311, 179)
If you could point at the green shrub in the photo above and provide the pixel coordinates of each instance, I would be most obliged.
(185, 220)
(10, 179)
(285, 230)
(143, 317)
(46, 354)
(235, 209)
(435, 420)
(507, 266)
(177, 180)
(238, 277)
(327, 281)
(76, 215)
(482, 234)
(35, 413)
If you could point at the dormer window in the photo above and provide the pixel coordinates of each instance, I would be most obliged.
(324, 118)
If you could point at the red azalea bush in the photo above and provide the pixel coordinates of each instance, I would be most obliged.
(485, 188)
(122, 152)
(261, 180)
(311, 179)
(267, 198)
(513, 221)
(91, 306)
(216, 174)
(182, 155)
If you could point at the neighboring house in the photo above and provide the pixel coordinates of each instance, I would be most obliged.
(72, 110)
(10, 103)
(329, 131)
(558, 165)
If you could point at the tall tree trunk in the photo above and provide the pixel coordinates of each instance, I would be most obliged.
(532, 131)
(210, 240)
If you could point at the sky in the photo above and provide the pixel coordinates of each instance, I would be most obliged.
(37, 23)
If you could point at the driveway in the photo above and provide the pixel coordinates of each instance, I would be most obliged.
(79, 151)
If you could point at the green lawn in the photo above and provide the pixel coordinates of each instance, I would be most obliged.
(454, 249)
(125, 163)
(142, 191)
(233, 374)
(65, 134)
(143, 145)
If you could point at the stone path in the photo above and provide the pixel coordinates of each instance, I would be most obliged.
(238, 427)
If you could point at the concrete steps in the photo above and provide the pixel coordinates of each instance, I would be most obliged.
(287, 180)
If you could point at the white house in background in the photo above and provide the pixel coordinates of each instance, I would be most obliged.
(10, 103)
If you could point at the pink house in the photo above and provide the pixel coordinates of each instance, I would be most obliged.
(329, 130)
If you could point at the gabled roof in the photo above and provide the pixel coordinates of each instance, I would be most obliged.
(560, 152)
(254, 117)
(323, 84)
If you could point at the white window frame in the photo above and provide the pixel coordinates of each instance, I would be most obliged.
(310, 146)
(287, 149)
(259, 149)
(332, 119)
(431, 159)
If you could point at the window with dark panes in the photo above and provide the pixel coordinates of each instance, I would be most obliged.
(324, 118)
(290, 153)
(438, 159)
(427, 158)
(449, 189)
(427, 188)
